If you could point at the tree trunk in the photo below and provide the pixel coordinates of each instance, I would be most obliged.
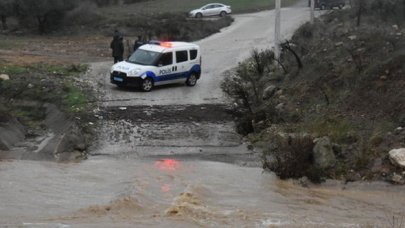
(4, 22)
(41, 24)
(359, 17)
(360, 11)
(297, 58)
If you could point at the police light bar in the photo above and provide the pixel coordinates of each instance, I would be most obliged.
(161, 43)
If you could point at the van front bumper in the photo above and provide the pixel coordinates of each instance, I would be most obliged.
(121, 79)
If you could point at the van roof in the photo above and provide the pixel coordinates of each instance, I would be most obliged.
(158, 46)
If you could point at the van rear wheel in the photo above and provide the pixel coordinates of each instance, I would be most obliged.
(192, 80)
(147, 85)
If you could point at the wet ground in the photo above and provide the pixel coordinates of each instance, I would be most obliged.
(171, 157)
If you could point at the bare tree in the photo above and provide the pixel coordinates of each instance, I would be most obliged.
(46, 13)
(360, 7)
(6, 10)
(287, 46)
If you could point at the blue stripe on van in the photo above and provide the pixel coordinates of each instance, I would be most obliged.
(195, 69)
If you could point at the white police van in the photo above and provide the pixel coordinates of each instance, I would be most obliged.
(159, 63)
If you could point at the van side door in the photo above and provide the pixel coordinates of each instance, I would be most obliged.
(165, 68)
(182, 63)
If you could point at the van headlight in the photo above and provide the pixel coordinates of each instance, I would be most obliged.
(135, 72)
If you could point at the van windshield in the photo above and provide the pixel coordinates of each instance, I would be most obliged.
(143, 57)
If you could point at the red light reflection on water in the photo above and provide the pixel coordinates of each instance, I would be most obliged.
(166, 188)
(167, 164)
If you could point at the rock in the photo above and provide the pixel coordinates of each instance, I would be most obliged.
(282, 97)
(69, 156)
(352, 176)
(11, 132)
(304, 181)
(383, 78)
(352, 37)
(395, 27)
(280, 107)
(397, 179)
(269, 92)
(338, 44)
(377, 166)
(397, 157)
(30, 86)
(4, 77)
(323, 153)
(279, 92)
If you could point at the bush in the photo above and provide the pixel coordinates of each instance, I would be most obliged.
(387, 10)
(291, 157)
(47, 14)
(247, 83)
(85, 13)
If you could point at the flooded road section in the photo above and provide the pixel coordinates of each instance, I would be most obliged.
(182, 131)
(109, 192)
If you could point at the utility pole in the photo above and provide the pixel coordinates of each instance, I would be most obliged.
(277, 30)
(312, 11)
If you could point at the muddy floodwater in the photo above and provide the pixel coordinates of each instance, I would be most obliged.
(182, 193)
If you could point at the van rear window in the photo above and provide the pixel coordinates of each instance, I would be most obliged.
(193, 54)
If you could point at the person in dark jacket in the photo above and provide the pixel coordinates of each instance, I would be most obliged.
(138, 43)
(117, 46)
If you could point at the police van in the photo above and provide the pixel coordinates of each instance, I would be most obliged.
(159, 63)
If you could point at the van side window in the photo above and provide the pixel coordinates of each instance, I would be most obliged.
(193, 54)
(166, 59)
(181, 56)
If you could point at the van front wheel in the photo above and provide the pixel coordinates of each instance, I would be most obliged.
(147, 85)
(192, 80)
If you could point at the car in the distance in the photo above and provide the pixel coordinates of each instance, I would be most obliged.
(212, 9)
(328, 4)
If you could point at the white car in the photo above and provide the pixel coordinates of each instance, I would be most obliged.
(212, 9)
(159, 63)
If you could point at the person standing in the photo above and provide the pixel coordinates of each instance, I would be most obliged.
(138, 43)
(117, 46)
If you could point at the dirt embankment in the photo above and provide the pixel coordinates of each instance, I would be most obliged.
(45, 113)
(338, 86)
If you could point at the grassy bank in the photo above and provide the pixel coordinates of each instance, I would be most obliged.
(22, 97)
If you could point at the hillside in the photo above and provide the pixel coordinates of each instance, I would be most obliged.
(339, 82)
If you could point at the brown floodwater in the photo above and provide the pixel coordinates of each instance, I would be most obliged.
(105, 192)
